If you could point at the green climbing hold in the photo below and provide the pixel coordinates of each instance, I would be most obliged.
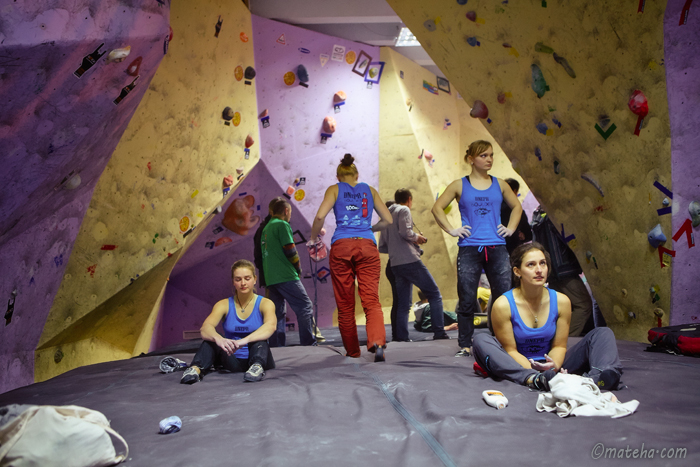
(540, 47)
(539, 85)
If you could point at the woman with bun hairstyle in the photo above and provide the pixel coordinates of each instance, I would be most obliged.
(354, 255)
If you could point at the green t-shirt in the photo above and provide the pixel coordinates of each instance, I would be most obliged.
(276, 266)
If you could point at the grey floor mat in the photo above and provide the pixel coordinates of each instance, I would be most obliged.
(422, 407)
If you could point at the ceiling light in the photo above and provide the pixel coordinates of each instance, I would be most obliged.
(407, 39)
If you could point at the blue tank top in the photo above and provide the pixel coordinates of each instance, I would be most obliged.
(534, 342)
(353, 212)
(481, 209)
(235, 328)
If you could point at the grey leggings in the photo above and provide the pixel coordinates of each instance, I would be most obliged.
(596, 352)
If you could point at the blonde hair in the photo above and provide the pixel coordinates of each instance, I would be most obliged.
(243, 263)
(476, 148)
(347, 166)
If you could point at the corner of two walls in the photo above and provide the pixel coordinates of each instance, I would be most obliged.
(612, 50)
(169, 165)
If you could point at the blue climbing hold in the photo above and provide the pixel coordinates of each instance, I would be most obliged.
(656, 236)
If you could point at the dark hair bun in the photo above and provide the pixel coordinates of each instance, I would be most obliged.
(347, 160)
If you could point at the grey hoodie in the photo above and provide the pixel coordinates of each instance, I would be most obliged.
(398, 239)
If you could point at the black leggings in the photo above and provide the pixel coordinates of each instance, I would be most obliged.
(210, 354)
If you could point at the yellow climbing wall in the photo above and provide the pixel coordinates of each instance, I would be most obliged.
(487, 49)
(412, 120)
(169, 164)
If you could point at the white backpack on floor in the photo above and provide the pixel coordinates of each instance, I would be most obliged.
(67, 436)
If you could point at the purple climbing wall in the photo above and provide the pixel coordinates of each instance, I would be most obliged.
(57, 132)
(203, 274)
(291, 146)
(682, 71)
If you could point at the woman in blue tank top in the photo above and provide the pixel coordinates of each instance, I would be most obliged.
(354, 255)
(482, 244)
(531, 325)
(248, 321)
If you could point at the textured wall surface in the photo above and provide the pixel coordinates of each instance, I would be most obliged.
(57, 132)
(202, 275)
(291, 146)
(169, 164)
(682, 72)
(612, 51)
(412, 119)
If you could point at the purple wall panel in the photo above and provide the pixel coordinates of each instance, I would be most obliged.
(203, 275)
(291, 145)
(53, 124)
(682, 70)
(37, 260)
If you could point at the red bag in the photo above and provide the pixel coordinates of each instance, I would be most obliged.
(683, 339)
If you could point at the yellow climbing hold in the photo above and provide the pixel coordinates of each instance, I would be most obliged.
(196, 192)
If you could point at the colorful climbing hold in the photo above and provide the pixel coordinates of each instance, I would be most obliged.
(639, 106)
(539, 85)
(656, 236)
(471, 15)
(238, 73)
(479, 110)
(473, 41)
(302, 74)
(329, 125)
(593, 182)
(289, 78)
(540, 47)
(562, 61)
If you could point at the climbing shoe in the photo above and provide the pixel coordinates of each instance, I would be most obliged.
(171, 364)
(254, 373)
(466, 352)
(191, 376)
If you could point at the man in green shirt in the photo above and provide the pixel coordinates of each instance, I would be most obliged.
(282, 270)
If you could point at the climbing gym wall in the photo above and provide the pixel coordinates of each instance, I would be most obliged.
(72, 75)
(425, 131)
(202, 275)
(315, 104)
(297, 103)
(164, 178)
(566, 85)
(681, 37)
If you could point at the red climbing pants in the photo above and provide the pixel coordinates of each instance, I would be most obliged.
(350, 259)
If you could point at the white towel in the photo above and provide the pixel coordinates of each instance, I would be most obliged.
(576, 395)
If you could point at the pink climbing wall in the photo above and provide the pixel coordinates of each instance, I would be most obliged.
(291, 146)
(682, 71)
(55, 126)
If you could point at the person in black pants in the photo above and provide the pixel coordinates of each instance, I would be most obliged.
(248, 321)
(523, 233)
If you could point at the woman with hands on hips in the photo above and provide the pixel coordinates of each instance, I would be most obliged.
(481, 235)
(531, 323)
(248, 321)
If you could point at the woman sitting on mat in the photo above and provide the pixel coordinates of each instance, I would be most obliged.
(248, 321)
(354, 255)
(531, 323)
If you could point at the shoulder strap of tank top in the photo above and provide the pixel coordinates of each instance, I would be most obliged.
(257, 304)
